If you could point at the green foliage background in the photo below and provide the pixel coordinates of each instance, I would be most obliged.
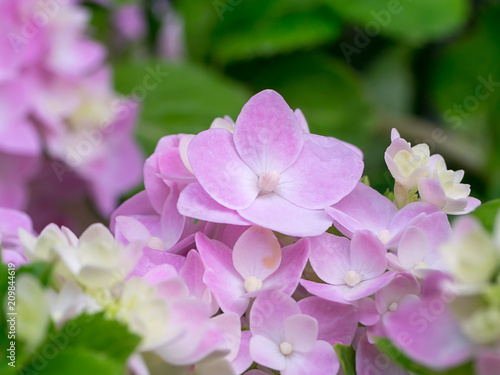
(356, 69)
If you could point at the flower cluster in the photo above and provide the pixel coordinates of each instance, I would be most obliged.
(255, 249)
(57, 100)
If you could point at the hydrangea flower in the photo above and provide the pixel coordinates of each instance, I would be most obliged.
(414, 169)
(269, 171)
(255, 264)
(71, 113)
(443, 188)
(407, 164)
(344, 266)
(286, 340)
(426, 329)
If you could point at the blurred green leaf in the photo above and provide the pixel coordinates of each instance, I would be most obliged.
(388, 348)
(465, 89)
(327, 91)
(232, 30)
(347, 358)
(464, 66)
(263, 28)
(184, 101)
(487, 213)
(41, 270)
(76, 361)
(82, 338)
(118, 343)
(411, 21)
(389, 81)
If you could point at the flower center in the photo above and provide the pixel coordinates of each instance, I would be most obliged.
(384, 236)
(286, 348)
(252, 284)
(352, 278)
(268, 181)
(393, 306)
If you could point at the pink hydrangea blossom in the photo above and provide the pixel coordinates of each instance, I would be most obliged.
(71, 113)
(344, 266)
(269, 171)
(255, 264)
(285, 339)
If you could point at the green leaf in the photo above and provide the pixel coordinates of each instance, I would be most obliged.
(389, 81)
(41, 270)
(87, 335)
(347, 358)
(181, 99)
(74, 361)
(412, 21)
(263, 28)
(388, 348)
(487, 213)
(235, 30)
(100, 334)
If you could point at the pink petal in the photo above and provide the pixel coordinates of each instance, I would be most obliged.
(325, 172)
(293, 261)
(367, 254)
(412, 247)
(160, 273)
(243, 359)
(20, 138)
(321, 360)
(220, 170)
(156, 189)
(172, 222)
(269, 311)
(137, 205)
(363, 208)
(192, 273)
(402, 285)
(302, 120)
(11, 220)
(337, 323)
(408, 214)
(427, 331)
(472, 204)
(195, 202)
(152, 258)
(230, 326)
(369, 287)
(266, 352)
(329, 257)
(367, 311)
(394, 134)
(171, 165)
(273, 212)
(267, 134)
(132, 229)
(220, 276)
(257, 253)
(301, 331)
(431, 191)
(329, 292)
(11, 256)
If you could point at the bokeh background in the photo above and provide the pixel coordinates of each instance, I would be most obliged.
(356, 69)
